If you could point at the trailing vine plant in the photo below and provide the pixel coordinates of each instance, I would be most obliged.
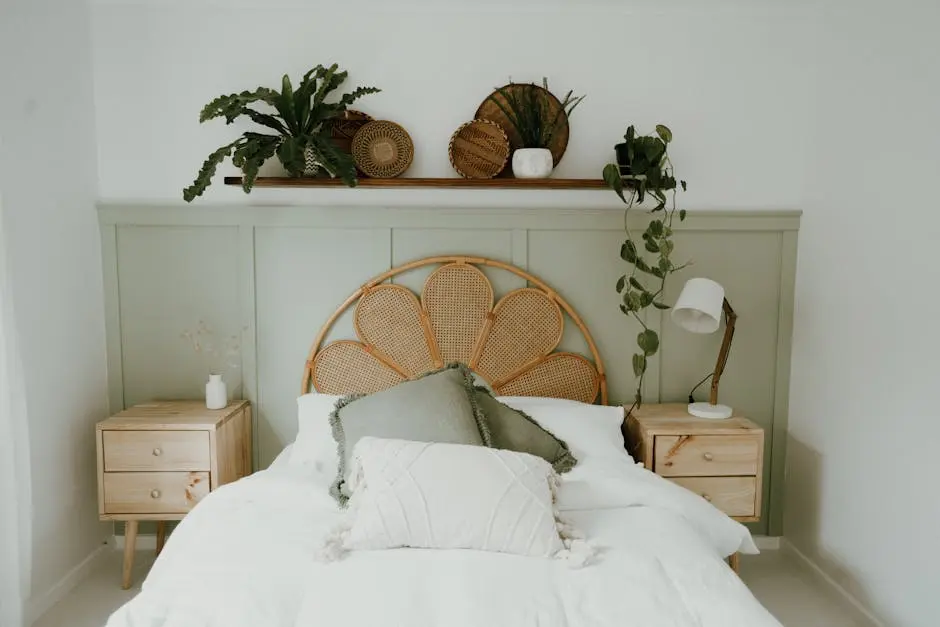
(644, 169)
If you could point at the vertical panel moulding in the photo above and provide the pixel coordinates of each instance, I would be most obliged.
(520, 248)
(778, 439)
(112, 313)
(248, 320)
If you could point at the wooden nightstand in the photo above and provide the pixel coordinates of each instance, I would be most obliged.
(157, 460)
(720, 460)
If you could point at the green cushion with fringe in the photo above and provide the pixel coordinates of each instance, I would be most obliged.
(440, 406)
(514, 430)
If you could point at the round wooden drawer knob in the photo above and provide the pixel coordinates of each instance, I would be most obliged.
(155, 494)
(157, 452)
(708, 457)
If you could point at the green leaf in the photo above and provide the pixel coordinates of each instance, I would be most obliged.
(645, 299)
(641, 264)
(631, 300)
(335, 161)
(630, 134)
(682, 183)
(667, 246)
(620, 283)
(659, 305)
(656, 272)
(639, 365)
(624, 310)
(665, 265)
(648, 341)
(636, 284)
(628, 251)
(682, 212)
(652, 246)
(207, 171)
(655, 228)
(664, 133)
(234, 105)
(613, 179)
(291, 155)
(251, 155)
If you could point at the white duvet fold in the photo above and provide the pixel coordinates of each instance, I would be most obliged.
(246, 557)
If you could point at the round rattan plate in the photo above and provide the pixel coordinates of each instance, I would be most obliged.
(382, 149)
(489, 110)
(344, 128)
(479, 149)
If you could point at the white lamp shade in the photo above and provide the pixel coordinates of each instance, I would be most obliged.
(698, 308)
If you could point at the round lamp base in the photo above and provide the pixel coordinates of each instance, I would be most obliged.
(707, 410)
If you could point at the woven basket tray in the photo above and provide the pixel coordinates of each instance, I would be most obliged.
(382, 149)
(479, 149)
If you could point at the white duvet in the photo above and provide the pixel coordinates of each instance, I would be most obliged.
(249, 556)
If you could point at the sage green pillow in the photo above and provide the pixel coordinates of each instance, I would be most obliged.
(514, 430)
(438, 407)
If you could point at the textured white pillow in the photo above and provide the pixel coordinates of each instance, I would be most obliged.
(590, 430)
(452, 496)
(314, 449)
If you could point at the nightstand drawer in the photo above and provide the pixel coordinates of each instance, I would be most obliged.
(735, 496)
(155, 450)
(706, 455)
(153, 492)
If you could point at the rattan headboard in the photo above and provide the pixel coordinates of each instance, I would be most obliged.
(509, 345)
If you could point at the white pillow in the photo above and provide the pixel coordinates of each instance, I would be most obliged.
(589, 430)
(452, 496)
(314, 449)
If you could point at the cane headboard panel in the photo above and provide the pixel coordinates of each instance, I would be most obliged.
(509, 343)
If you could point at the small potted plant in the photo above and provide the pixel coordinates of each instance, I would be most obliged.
(301, 120)
(536, 120)
(643, 166)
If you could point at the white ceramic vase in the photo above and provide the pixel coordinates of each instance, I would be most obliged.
(532, 163)
(216, 394)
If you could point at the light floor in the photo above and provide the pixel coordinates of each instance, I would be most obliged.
(777, 582)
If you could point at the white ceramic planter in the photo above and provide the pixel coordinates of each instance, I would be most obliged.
(532, 163)
(216, 394)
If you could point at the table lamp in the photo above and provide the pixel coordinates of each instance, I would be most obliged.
(699, 309)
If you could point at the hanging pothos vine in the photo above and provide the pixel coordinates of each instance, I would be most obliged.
(643, 168)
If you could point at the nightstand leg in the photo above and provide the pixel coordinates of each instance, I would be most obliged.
(734, 562)
(161, 536)
(130, 545)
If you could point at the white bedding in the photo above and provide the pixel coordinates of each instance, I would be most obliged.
(248, 556)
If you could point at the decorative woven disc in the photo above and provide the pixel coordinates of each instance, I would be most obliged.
(479, 149)
(489, 110)
(343, 128)
(382, 149)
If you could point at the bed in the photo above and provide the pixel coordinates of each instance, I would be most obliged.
(250, 554)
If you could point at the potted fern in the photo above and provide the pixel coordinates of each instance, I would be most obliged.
(301, 121)
(536, 117)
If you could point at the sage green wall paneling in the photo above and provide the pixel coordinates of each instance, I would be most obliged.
(747, 264)
(583, 267)
(274, 274)
(301, 276)
(411, 244)
(171, 279)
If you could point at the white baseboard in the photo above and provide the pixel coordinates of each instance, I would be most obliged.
(861, 614)
(145, 542)
(39, 605)
(767, 543)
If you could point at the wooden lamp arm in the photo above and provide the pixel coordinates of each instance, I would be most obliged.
(730, 318)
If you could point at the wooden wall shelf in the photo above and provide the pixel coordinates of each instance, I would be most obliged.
(453, 182)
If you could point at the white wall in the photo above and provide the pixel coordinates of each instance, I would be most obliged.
(48, 177)
(862, 495)
(730, 81)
